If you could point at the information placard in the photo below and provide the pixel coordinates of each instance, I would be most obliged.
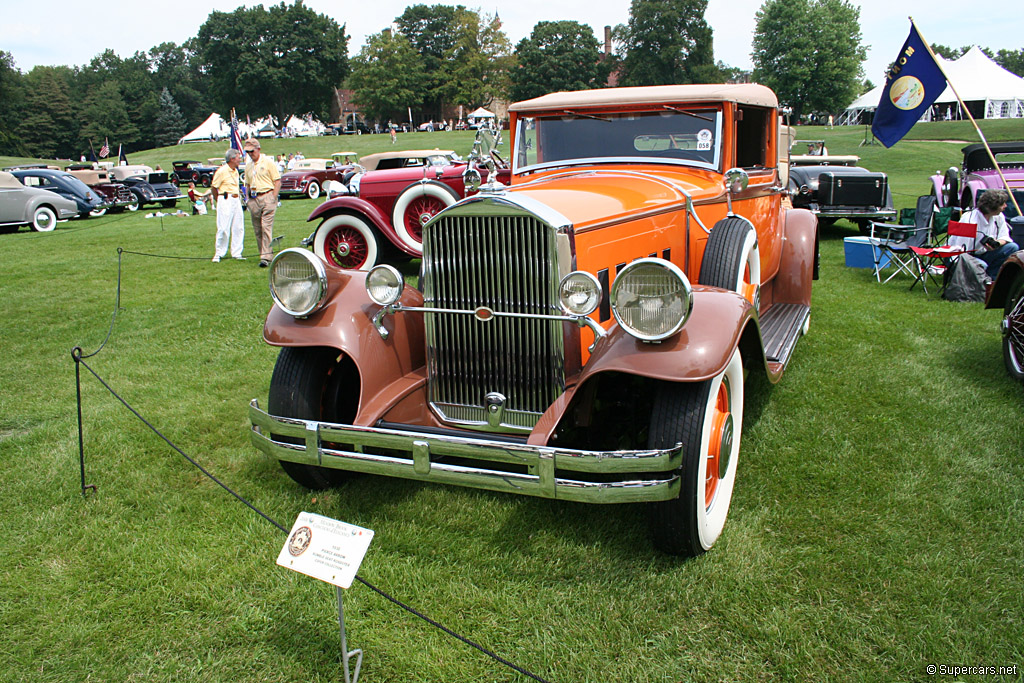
(325, 549)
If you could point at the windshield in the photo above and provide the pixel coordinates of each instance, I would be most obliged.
(691, 137)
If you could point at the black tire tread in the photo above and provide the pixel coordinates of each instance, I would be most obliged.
(296, 389)
(722, 254)
(1013, 295)
(676, 417)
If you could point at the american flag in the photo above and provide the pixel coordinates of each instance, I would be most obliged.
(236, 139)
(105, 149)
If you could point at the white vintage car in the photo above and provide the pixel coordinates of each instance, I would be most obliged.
(39, 209)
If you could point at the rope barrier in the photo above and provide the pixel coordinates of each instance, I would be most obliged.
(79, 359)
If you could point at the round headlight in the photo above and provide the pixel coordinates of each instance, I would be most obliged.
(579, 293)
(651, 299)
(384, 284)
(298, 281)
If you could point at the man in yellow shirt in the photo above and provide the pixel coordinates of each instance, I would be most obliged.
(264, 182)
(229, 207)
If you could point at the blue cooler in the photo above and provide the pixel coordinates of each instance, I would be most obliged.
(859, 253)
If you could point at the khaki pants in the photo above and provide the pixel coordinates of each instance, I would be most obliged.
(262, 210)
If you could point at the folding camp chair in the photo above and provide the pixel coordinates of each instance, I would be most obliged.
(936, 260)
(900, 241)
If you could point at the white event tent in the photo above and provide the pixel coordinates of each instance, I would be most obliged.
(213, 128)
(984, 86)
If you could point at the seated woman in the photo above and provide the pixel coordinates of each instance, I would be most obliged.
(992, 244)
(198, 199)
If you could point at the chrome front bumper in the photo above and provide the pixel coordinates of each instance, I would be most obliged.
(621, 476)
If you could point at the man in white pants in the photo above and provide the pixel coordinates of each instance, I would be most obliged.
(229, 207)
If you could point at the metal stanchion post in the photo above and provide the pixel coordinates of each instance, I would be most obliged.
(345, 654)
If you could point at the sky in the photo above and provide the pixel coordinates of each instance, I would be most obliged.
(72, 32)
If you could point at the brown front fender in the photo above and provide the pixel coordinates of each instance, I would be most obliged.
(389, 367)
(721, 321)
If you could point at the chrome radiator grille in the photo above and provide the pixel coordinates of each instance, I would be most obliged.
(506, 264)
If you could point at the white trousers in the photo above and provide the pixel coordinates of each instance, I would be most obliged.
(229, 224)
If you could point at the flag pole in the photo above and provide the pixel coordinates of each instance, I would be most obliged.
(963, 106)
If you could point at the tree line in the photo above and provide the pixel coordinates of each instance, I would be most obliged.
(287, 59)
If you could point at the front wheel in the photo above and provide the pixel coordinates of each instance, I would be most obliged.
(346, 241)
(312, 384)
(313, 191)
(135, 204)
(732, 260)
(206, 180)
(44, 219)
(416, 206)
(707, 418)
(96, 213)
(1013, 330)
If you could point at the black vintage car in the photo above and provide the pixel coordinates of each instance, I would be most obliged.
(148, 186)
(192, 172)
(66, 185)
(834, 187)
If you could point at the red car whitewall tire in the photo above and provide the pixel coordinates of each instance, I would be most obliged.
(415, 206)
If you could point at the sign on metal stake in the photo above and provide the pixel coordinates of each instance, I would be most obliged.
(331, 551)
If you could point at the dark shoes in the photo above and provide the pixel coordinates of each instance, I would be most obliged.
(264, 263)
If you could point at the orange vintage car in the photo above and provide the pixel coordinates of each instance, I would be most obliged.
(584, 334)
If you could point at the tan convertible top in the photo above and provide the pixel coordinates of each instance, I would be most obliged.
(370, 161)
(9, 181)
(747, 93)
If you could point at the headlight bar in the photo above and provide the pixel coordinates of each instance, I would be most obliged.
(484, 314)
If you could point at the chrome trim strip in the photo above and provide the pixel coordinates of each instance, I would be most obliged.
(424, 453)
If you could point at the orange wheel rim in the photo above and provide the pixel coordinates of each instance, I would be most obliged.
(720, 433)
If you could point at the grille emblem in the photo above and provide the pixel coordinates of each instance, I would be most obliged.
(495, 405)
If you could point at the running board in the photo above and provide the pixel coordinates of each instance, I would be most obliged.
(780, 328)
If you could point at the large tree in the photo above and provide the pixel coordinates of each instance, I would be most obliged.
(133, 80)
(283, 60)
(12, 96)
(170, 124)
(47, 127)
(464, 56)
(174, 67)
(477, 67)
(665, 42)
(105, 117)
(558, 55)
(1011, 60)
(387, 77)
(810, 53)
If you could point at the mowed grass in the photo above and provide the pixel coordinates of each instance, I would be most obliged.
(876, 526)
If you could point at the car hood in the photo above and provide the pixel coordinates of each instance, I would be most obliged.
(595, 196)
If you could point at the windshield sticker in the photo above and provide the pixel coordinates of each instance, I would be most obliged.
(704, 139)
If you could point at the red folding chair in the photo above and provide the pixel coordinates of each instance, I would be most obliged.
(935, 260)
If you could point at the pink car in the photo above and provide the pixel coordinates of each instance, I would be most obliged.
(959, 187)
(386, 206)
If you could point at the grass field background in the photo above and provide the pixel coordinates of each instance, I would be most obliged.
(875, 529)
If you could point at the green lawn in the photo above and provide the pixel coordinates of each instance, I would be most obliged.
(876, 526)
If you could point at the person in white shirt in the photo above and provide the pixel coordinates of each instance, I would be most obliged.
(992, 243)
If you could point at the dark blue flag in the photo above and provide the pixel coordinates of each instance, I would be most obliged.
(913, 84)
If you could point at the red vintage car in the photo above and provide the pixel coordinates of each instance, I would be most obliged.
(117, 195)
(310, 175)
(390, 199)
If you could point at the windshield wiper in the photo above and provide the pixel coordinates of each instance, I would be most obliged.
(585, 116)
(688, 113)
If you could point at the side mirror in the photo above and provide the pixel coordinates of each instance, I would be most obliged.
(736, 180)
